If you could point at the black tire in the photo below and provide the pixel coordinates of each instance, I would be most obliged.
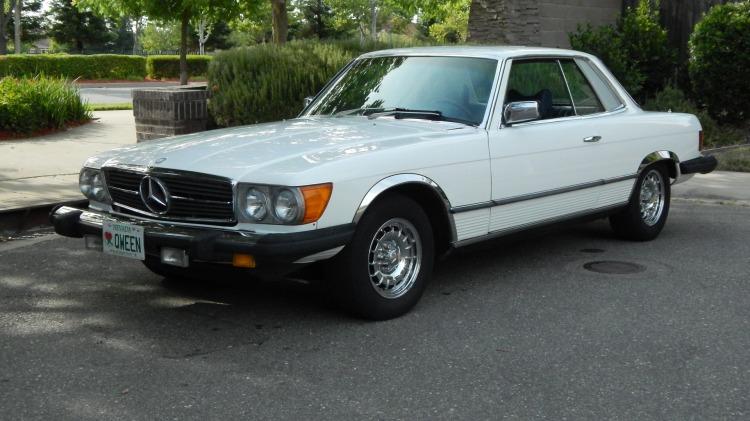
(629, 222)
(351, 269)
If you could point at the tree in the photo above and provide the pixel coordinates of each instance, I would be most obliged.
(181, 11)
(79, 29)
(17, 26)
(158, 37)
(203, 31)
(6, 9)
(280, 21)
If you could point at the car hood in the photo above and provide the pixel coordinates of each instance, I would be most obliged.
(291, 146)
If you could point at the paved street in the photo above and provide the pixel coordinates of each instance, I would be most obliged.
(518, 329)
(116, 93)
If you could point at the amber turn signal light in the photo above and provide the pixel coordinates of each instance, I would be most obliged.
(316, 199)
(240, 260)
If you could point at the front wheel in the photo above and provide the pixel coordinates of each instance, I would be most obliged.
(646, 213)
(382, 273)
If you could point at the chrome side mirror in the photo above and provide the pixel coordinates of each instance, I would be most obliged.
(521, 112)
(307, 101)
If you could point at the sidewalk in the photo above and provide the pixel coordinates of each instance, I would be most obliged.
(44, 170)
(722, 186)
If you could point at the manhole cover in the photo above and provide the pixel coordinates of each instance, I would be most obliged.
(614, 267)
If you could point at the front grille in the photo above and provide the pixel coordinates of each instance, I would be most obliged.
(194, 197)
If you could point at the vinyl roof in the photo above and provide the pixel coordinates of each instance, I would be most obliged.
(484, 51)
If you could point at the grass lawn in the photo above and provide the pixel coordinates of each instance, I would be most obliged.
(111, 107)
(737, 159)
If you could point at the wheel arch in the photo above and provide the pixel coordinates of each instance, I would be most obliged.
(659, 156)
(424, 191)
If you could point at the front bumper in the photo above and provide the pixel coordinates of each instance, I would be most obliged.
(213, 245)
(703, 165)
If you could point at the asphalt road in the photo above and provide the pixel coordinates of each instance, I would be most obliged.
(516, 330)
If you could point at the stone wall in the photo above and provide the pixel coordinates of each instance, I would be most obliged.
(536, 22)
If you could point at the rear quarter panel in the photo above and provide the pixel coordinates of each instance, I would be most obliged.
(629, 136)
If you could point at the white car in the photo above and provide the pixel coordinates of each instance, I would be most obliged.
(403, 156)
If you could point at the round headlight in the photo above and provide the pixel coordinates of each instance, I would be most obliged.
(98, 191)
(85, 181)
(286, 206)
(255, 204)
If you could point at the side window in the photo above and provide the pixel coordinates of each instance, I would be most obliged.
(609, 99)
(541, 81)
(584, 98)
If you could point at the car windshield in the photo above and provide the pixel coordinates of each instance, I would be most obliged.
(434, 88)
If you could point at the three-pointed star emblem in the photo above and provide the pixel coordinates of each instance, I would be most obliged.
(154, 195)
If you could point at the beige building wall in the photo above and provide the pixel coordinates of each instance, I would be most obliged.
(536, 22)
(557, 18)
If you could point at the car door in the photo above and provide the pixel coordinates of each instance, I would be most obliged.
(548, 168)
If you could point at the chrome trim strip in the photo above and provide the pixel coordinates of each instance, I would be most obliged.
(323, 255)
(511, 230)
(400, 179)
(537, 195)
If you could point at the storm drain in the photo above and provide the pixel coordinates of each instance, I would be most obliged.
(614, 267)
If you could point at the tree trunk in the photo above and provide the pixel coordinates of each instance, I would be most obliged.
(183, 47)
(373, 20)
(136, 27)
(280, 22)
(17, 25)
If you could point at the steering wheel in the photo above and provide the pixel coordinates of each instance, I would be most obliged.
(462, 111)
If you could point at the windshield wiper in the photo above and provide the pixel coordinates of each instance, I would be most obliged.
(424, 114)
(357, 110)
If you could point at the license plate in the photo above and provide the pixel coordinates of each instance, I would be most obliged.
(124, 240)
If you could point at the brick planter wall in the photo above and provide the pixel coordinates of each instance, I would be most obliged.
(163, 112)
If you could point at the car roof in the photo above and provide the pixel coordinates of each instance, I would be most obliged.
(498, 52)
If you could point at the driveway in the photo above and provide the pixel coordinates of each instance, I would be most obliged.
(515, 329)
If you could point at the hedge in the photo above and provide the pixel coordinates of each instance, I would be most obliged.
(30, 104)
(168, 67)
(97, 66)
(720, 59)
(268, 83)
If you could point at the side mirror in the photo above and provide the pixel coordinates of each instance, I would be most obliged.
(521, 112)
(307, 101)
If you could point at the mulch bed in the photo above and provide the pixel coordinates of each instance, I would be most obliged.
(6, 135)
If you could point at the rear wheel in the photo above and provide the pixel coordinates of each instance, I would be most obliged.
(382, 273)
(646, 214)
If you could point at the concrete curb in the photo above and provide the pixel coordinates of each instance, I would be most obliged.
(15, 221)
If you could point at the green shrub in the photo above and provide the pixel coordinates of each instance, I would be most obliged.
(168, 67)
(29, 104)
(720, 59)
(97, 66)
(606, 43)
(268, 83)
(673, 99)
(637, 50)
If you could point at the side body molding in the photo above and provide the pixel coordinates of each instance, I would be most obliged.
(402, 179)
(661, 156)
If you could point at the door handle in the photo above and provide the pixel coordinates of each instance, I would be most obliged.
(592, 139)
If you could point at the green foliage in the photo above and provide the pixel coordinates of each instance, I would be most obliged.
(168, 67)
(646, 44)
(98, 66)
(636, 50)
(157, 36)
(720, 59)
(673, 99)
(30, 104)
(79, 29)
(607, 44)
(268, 82)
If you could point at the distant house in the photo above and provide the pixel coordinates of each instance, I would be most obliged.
(548, 22)
(40, 46)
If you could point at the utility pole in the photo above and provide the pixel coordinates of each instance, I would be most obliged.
(17, 21)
